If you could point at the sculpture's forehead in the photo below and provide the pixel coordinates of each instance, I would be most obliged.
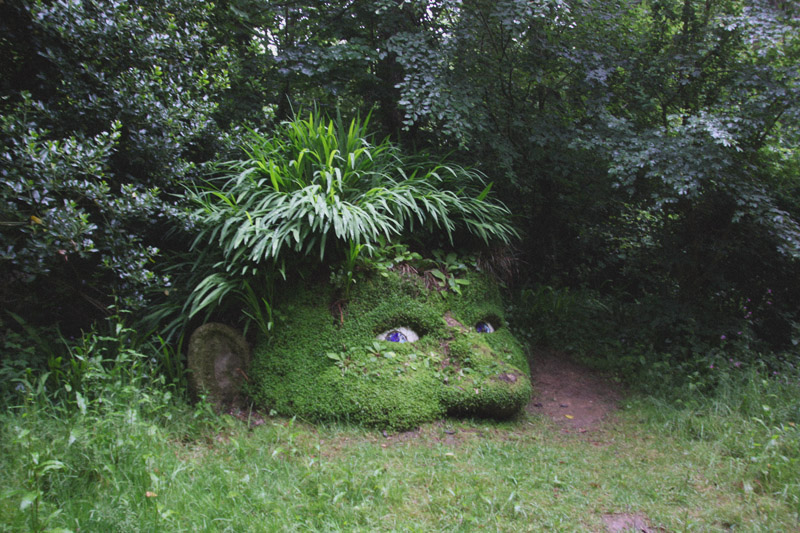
(393, 302)
(317, 318)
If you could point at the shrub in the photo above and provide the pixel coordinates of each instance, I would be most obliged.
(106, 109)
(317, 186)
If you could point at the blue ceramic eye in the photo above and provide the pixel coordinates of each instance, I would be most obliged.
(484, 327)
(399, 334)
(396, 336)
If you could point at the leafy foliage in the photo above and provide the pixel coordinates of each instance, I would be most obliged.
(677, 109)
(315, 185)
(105, 105)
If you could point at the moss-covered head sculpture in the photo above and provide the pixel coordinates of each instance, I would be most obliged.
(316, 185)
(395, 355)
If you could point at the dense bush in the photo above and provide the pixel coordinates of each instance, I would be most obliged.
(105, 108)
(647, 147)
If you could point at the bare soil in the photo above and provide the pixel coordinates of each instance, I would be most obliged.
(618, 522)
(575, 397)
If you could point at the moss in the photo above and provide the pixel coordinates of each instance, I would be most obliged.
(324, 363)
(479, 301)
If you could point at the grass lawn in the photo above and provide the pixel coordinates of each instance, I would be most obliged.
(283, 475)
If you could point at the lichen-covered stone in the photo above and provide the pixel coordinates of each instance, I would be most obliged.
(218, 361)
(325, 362)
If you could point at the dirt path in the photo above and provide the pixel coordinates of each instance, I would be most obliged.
(579, 399)
(569, 393)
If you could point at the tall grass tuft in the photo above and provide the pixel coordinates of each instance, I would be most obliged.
(92, 422)
(751, 416)
(317, 186)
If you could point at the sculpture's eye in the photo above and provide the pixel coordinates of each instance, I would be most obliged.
(399, 335)
(396, 336)
(484, 327)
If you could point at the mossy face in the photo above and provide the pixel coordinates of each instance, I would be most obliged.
(326, 362)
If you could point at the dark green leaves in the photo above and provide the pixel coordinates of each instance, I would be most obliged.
(105, 106)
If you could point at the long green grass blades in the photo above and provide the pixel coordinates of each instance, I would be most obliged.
(319, 185)
(213, 288)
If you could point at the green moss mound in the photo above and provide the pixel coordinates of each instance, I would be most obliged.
(325, 363)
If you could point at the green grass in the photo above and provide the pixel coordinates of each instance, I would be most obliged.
(180, 469)
(102, 443)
